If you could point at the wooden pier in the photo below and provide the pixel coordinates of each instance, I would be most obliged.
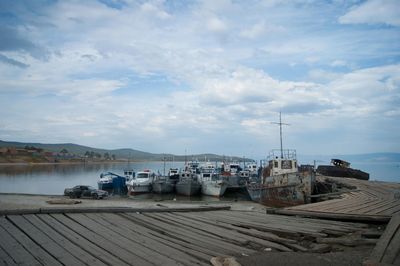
(369, 201)
(197, 235)
(164, 238)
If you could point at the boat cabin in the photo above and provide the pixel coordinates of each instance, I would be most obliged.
(144, 175)
(129, 174)
(340, 163)
(282, 162)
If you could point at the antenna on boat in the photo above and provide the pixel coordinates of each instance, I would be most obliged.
(280, 130)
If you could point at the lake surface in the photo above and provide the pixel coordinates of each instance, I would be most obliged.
(53, 179)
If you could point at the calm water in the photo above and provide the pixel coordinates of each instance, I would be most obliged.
(53, 179)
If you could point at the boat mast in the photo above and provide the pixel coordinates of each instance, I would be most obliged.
(280, 130)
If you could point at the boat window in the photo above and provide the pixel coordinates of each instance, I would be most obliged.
(286, 164)
(142, 175)
(276, 164)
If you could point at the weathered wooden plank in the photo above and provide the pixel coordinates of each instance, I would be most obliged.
(378, 252)
(336, 216)
(127, 240)
(276, 227)
(266, 239)
(41, 255)
(365, 207)
(347, 241)
(393, 249)
(5, 259)
(109, 210)
(225, 234)
(131, 230)
(42, 239)
(388, 209)
(391, 211)
(199, 252)
(99, 252)
(252, 232)
(15, 250)
(78, 252)
(88, 230)
(200, 239)
(371, 207)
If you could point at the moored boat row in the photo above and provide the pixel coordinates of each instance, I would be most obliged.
(193, 179)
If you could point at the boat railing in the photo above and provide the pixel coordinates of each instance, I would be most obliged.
(286, 154)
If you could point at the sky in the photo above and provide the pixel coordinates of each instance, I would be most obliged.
(202, 76)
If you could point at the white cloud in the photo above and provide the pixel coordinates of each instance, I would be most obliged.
(214, 72)
(217, 25)
(374, 12)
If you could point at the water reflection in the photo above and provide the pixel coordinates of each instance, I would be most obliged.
(52, 179)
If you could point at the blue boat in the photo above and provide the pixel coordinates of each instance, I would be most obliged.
(112, 182)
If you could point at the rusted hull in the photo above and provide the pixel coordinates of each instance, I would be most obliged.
(283, 190)
(330, 170)
(279, 196)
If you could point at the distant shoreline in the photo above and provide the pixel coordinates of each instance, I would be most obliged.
(76, 162)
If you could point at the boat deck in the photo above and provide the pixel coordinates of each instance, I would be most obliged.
(165, 238)
(371, 200)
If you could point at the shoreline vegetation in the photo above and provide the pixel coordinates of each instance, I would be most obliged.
(19, 152)
(66, 162)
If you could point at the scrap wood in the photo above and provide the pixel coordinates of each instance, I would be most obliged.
(64, 201)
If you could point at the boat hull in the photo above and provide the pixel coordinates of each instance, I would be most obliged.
(278, 196)
(216, 189)
(283, 190)
(105, 186)
(188, 187)
(162, 187)
(139, 189)
(331, 170)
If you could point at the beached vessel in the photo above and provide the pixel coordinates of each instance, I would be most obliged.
(105, 181)
(281, 183)
(162, 184)
(188, 184)
(112, 182)
(211, 183)
(173, 175)
(141, 183)
(340, 168)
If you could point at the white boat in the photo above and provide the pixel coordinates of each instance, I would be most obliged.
(141, 183)
(212, 185)
(173, 175)
(129, 174)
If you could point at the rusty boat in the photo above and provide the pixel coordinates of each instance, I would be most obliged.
(341, 168)
(281, 183)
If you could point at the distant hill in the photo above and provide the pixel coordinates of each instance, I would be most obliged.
(119, 153)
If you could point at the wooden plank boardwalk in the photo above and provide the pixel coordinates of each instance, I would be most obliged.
(387, 250)
(371, 199)
(161, 238)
